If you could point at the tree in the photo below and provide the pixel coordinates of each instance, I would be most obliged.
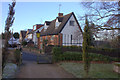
(9, 21)
(16, 35)
(85, 48)
(8, 24)
(115, 43)
(105, 15)
(3, 36)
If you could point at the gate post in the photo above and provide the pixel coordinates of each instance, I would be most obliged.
(71, 40)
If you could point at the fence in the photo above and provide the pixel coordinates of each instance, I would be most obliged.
(69, 40)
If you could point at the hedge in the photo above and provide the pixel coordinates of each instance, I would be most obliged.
(17, 55)
(58, 55)
(112, 52)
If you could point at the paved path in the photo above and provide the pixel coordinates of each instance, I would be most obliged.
(30, 69)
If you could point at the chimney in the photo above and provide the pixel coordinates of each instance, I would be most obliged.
(60, 14)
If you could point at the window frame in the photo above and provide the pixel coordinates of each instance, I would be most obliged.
(41, 39)
(72, 23)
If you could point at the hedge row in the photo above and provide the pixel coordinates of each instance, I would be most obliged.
(104, 51)
(77, 56)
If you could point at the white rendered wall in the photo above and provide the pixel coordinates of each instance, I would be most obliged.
(29, 36)
(72, 30)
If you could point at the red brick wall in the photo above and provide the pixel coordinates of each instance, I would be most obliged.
(57, 40)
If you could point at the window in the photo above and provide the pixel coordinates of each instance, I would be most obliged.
(40, 38)
(41, 45)
(46, 37)
(71, 23)
(52, 38)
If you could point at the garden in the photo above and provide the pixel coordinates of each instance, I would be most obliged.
(97, 70)
(102, 66)
(10, 62)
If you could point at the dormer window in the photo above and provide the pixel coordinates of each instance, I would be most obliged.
(72, 23)
(46, 25)
(57, 23)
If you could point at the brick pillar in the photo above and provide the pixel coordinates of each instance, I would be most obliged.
(60, 39)
(38, 43)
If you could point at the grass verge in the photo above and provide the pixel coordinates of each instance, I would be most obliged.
(96, 70)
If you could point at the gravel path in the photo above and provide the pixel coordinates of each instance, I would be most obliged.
(30, 69)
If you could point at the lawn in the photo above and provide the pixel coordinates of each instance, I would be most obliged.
(96, 70)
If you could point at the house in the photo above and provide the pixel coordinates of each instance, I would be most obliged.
(37, 26)
(64, 30)
(35, 29)
(22, 35)
(28, 35)
(12, 41)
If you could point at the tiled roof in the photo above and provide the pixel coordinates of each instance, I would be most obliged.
(47, 22)
(51, 30)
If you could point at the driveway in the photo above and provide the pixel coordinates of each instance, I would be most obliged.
(30, 69)
(28, 56)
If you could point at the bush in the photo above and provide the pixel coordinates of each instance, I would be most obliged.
(72, 47)
(17, 55)
(24, 43)
(71, 56)
(58, 55)
(56, 51)
(4, 57)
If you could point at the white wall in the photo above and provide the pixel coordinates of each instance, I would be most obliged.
(35, 38)
(72, 30)
(29, 36)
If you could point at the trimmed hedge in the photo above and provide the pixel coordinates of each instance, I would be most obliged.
(77, 56)
(71, 56)
(56, 51)
(112, 52)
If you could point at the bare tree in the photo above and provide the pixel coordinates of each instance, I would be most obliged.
(9, 22)
(105, 16)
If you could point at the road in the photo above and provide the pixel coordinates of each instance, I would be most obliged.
(30, 69)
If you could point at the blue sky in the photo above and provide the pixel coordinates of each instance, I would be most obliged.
(28, 14)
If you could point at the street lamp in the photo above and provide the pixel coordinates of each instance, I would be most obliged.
(38, 36)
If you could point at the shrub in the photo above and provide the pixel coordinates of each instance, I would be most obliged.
(58, 55)
(17, 55)
(56, 51)
(77, 56)
(24, 43)
(4, 57)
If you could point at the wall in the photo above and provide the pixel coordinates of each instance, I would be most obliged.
(34, 38)
(29, 36)
(56, 40)
(72, 30)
